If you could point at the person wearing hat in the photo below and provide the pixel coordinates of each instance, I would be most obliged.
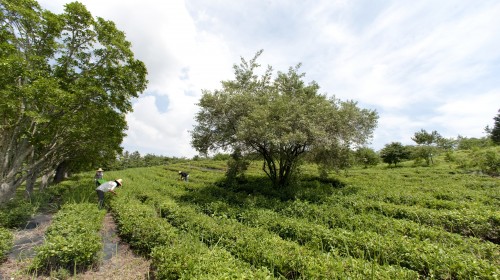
(99, 177)
(107, 187)
(184, 176)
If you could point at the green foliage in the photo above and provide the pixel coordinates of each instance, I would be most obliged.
(187, 258)
(465, 143)
(68, 84)
(72, 241)
(427, 145)
(135, 159)
(366, 157)
(140, 225)
(236, 167)
(394, 153)
(281, 119)
(485, 160)
(406, 223)
(6, 242)
(16, 213)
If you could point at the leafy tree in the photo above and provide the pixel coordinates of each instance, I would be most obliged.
(394, 153)
(67, 82)
(279, 118)
(366, 157)
(427, 143)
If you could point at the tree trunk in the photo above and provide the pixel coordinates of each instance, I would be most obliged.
(61, 172)
(30, 183)
(7, 191)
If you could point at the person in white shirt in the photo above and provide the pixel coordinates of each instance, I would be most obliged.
(107, 187)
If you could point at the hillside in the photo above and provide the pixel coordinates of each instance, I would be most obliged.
(381, 223)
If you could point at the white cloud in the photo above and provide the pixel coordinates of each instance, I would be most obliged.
(422, 64)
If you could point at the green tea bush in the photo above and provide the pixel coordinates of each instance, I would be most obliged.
(6, 242)
(174, 255)
(140, 225)
(387, 247)
(261, 248)
(16, 213)
(187, 258)
(73, 241)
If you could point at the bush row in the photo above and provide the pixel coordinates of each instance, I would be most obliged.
(466, 222)
(350, 218)
(6, 242)
(176, 255)
(424, 256)
(262, 248)
(224, 203)
(72, 241)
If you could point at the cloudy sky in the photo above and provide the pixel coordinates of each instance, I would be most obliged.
(426, 64)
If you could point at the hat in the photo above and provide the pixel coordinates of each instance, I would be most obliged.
(119, 181)
(100, 169)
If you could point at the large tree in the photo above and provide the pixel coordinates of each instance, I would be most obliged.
(280, 118)
(67, 82)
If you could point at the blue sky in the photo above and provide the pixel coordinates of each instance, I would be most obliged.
(432, 65)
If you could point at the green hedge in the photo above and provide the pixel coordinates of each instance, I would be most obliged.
(175, 255)
(6, 242)
(73, 240)
(261, 248)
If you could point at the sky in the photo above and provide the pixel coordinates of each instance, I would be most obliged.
(432, 65)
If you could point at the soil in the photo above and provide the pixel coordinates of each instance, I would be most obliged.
(118, 260)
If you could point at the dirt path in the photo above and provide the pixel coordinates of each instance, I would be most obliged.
(119, 262)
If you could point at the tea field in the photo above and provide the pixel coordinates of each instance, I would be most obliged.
(377, 223)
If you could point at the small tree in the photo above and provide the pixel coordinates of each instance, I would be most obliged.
(426, 144)
(394, 153)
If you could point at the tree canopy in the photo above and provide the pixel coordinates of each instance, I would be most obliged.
(279, 117)
(394, 153)
(67, 82)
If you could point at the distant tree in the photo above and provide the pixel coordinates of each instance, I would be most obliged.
(281, 118)
(494, 132)
(394, 153)
(366, 157)
(66, 84)
(427, 143)
(465, 143)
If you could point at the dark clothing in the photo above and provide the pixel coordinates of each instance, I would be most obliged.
(184, 176)
(100, 196)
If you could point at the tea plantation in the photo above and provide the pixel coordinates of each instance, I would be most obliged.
(377, 223)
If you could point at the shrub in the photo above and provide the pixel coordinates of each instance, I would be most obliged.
(72, 241)
(5, 242)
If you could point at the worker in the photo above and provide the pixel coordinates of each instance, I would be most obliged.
(107, 187)
(184, 176)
